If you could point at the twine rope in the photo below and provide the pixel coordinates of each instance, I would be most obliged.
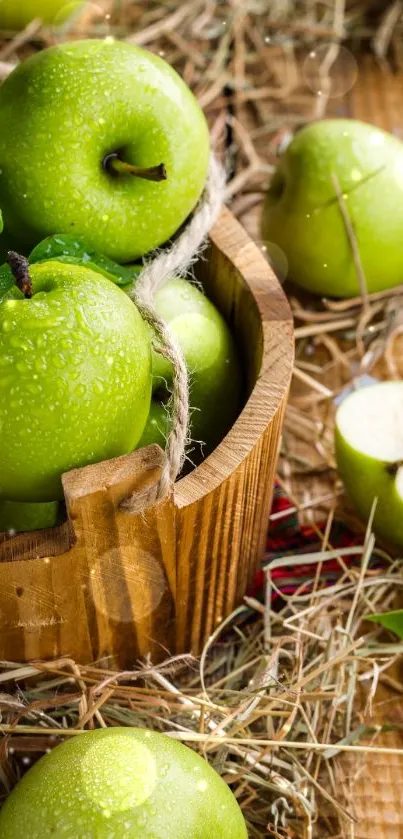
(177, 260)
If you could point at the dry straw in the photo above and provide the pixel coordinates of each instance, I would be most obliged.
(271, 703)
(285, 703)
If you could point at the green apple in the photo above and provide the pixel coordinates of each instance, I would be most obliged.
(22, 517)
(158, 425)
(302, 215)
(16, 14)
(102, 121)
(75, 378)
(369, 453)
(122, 783)
(215, 381)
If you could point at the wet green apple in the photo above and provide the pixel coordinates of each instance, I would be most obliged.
(15, 14)
(302, 216)
(158, 424)
(75, 378)
(23, 517)
(113, 147)
(369, 453)
(215, 381)
(122, 783)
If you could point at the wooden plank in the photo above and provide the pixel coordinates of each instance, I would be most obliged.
(223, 506)
(111, 596)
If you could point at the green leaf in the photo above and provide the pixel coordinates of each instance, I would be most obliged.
(65, 248)
(390, 620)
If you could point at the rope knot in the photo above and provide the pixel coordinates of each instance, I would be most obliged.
(176, 260)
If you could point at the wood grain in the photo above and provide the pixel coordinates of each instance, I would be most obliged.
(111, 586)
(223, 506)
(111, 591)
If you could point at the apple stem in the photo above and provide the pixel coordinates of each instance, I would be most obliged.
(20, 270)
(116, 166)
(393, 468)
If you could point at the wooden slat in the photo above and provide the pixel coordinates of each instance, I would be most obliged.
(223, 507)
(111, 596)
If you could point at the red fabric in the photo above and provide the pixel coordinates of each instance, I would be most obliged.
(287, 537)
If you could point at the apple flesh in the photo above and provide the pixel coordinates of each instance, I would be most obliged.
(23, 517)
(122, 782)
(88, 107)
(302, 216)
(16, 14)
(75, 379)
(369, 453)
(215, 380)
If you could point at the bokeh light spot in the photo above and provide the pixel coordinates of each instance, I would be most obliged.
(81, 19)
(330, 70)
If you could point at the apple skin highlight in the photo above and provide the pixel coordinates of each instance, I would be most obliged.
(82, 102)
(122, 783)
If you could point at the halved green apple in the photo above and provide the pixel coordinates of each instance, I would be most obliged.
(369, 454)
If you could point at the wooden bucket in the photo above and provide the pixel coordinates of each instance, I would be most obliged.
(111, 586)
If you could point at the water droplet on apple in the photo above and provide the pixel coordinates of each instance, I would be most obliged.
(330, 70)
(40, 364)
(58, 361)
(65, 344)
(18, 343)
(32, 388)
